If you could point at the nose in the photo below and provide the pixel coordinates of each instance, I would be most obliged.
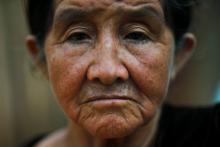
(107, 68)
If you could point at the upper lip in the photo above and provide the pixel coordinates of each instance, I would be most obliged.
(108, 97)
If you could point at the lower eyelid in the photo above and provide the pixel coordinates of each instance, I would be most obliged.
(79, 42)
(137, 42)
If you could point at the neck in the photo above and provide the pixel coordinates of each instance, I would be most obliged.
(142, 137)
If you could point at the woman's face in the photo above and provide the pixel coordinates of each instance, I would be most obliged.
(109, 63)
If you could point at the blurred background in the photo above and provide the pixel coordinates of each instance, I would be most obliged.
(27, 105)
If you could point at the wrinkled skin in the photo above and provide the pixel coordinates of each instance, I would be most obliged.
(109, 69)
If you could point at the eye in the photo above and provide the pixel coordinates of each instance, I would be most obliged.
(137, 37)
(79, 37)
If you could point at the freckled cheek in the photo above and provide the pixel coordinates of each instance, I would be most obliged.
(66, 76)
(153, 75)
(159, 76)
(161, 80)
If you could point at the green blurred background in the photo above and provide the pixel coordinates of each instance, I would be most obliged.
(27, 105)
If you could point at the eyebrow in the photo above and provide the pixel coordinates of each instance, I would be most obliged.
(70, 14)
(74, 14)
(145, 11)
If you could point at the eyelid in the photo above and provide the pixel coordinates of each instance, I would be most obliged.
(78, 29)
(135, 27)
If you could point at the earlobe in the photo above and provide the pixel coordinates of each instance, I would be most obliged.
(184, 53)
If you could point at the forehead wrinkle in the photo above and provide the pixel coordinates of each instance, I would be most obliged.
(139, 2)
(104, 3)
(111, 5)
(72, 12)
(140, 11)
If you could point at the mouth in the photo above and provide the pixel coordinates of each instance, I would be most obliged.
(113, 99)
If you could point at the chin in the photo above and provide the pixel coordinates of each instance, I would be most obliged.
(110, 122)
(112, 126)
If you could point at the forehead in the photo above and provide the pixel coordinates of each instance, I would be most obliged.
(109, 6)
(106, 3)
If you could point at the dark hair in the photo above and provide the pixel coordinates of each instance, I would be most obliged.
(178, 15)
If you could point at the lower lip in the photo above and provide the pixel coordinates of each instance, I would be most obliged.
(104, 103)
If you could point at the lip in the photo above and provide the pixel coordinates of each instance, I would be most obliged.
(108, 99)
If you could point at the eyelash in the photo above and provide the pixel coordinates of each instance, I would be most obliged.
(137, 37)
(134, 36)
(79, 38)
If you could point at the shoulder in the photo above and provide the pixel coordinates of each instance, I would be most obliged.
(209, 114)
(55, 139)
(45, 140)
(184, 126)
(33, 141)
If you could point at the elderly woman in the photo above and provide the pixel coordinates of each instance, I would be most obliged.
(109, 63)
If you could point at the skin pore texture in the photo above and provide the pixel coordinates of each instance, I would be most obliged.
(109, 63)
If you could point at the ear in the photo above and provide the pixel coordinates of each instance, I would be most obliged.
(185, 51)
(35, 51)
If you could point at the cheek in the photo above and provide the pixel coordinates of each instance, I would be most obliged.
(150, 69)
(156, 74)
(66, 74)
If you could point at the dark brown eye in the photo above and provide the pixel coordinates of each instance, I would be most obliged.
(79, 37)
(137, 37)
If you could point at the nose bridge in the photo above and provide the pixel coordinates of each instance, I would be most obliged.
(107, 51)
(107, 61)
(106, 66)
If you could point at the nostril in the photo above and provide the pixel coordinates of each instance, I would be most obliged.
(107, 73)
(92, 74)
(95, 80)
(92, 77)
(119, 80)
(122, 73)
